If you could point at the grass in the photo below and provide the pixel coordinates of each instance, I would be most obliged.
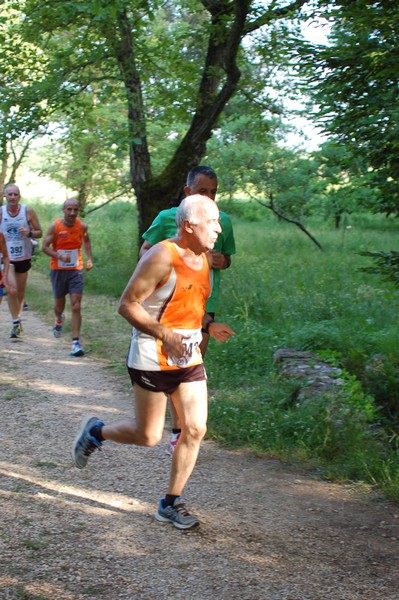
(281, 291)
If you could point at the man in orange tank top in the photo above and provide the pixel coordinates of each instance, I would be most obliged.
(164, 302)
(63, 243)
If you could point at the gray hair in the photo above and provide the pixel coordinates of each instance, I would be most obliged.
(10, 184)
(191, 209)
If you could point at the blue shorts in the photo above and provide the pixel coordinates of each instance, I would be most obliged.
(166, 381)
(66, 281)
(2, 291)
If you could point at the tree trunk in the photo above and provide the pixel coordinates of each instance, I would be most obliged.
(219, 81)
(4, 165)
(85, 178)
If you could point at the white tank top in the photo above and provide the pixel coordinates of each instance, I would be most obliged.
(18, 245)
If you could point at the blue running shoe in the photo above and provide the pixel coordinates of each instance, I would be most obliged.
(57, 330)
(177, 514)
(76, 349)
(85, 444)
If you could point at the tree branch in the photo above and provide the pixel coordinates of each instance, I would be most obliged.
(270, 206)
(114, 197)
(273, 14)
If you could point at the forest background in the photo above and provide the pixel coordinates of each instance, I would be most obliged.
(115, 102)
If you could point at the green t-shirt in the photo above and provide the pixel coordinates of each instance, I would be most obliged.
(164, 227)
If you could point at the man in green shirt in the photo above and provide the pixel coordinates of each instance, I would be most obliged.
(200, 180)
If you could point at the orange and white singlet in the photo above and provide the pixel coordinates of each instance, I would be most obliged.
(179, 304)
(71, 239)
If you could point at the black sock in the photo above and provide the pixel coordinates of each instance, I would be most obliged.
(168, 500)
(176, 431)
(96, 433)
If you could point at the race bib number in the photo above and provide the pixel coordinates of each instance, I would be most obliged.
(73, 258)
(16, 249)
(191, 341)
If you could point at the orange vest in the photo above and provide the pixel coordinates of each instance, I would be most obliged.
(179, 304)
(68, 238)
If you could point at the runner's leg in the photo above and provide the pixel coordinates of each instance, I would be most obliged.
(191, 402)
(16, 292)
(147, 428)
(76, 318)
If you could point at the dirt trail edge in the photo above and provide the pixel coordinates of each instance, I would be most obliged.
(266, 531)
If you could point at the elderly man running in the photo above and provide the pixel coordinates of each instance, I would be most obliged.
(165, 303)
(200, 180)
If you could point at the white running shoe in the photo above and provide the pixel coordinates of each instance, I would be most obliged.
(76, 349)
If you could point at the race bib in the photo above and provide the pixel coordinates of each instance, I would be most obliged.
(16, 249)
(191, 341)
(73, 259)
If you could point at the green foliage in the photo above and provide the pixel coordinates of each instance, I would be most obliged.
(114, 242)
(20, 62)
(245, 210)
(280, 292)
(333, 433)
(88, 151)
(255, 165)
(149, 83)
(380, 375)
(345, 185)
(354, 82)
(386, 264)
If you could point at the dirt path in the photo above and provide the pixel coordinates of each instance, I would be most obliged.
(267, 532)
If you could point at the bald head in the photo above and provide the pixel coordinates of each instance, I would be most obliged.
(70, 209)
(70, 202)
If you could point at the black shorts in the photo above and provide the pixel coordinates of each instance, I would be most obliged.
(166, 381)
(21, 266)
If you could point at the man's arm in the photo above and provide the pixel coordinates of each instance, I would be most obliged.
(151, 270)
(48, 241)
(219, 260)
(35, 230)
(220, 331)
(87, 247)
(144, 247)
(6, 261)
